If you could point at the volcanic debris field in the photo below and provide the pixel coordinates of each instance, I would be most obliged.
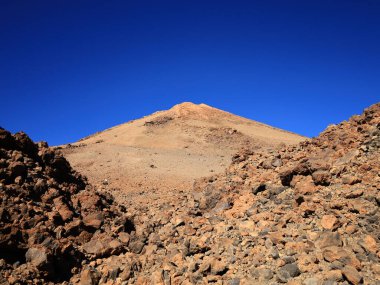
(303, 214)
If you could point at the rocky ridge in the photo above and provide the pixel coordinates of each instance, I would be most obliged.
(309, 212)
(52, 223)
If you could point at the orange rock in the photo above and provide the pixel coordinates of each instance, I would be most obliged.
(350, 229)
(352, 275)
(370, 244)
(334, 253)
(329, 222)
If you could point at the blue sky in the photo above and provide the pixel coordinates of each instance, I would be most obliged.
(71, 68)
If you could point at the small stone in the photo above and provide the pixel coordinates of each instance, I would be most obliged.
(327, 239)
(266, 274)
(235, 281)
(334, 275)
(218, 267)
(63, 209)
(336, 264)
(370, 244)
(375, 268)
(124, 237)
(89, 277)
(350, 229)
(126, 274)
(37, 256)
(276, 237)
(40, 186)
(283, 276)
(177, 222)
(292, 269)
(329, 222)
(93, 220)
(274, 253)
(277, 162)
(288, 259)
(136, 246)
(98, 247)
(311, 281)
(352, 275)
(350, 179)
(355, 194)
(321, 177)
(205, 266)
(18, 180)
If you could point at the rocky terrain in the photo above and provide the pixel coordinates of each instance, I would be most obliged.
(305, 214)
(302, 214)
(52, 223)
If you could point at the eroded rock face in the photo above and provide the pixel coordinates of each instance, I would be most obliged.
(49, 215)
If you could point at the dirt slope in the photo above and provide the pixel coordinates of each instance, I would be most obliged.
(169, 149)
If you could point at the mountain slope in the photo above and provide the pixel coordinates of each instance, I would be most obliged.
(169, 149)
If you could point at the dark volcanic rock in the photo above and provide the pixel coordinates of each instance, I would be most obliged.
(47, 213)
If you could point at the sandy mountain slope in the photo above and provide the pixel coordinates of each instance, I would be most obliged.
(169, 149)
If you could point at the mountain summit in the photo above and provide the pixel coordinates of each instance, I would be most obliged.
(171, 148)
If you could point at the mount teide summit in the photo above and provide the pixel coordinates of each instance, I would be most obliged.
(169, 149)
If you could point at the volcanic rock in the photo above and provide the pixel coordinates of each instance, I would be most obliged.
(44, 217)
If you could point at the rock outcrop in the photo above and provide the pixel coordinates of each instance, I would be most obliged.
(51, 221)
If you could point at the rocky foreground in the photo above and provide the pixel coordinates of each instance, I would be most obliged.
(51, 222)
(306, 214)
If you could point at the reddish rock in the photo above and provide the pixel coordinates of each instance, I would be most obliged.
(321, 177)
(37, 257)
(329, 222)
(39, 222)
(334, 253)
(350, 179)
(93, 220)
(89, 277)
(327, 239)
(352, 275)
(370, 244)
(63, 209)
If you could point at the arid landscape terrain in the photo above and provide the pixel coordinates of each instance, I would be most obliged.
(193, 195)
(167, 151)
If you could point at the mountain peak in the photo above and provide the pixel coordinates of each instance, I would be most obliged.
(169, 149)
(189, 109)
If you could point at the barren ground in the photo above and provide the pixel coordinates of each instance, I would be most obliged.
(167, 150)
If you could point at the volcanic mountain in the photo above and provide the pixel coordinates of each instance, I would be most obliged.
(169, 149)
(300, 214)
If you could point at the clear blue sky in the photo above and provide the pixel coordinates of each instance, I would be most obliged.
(71, 68)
